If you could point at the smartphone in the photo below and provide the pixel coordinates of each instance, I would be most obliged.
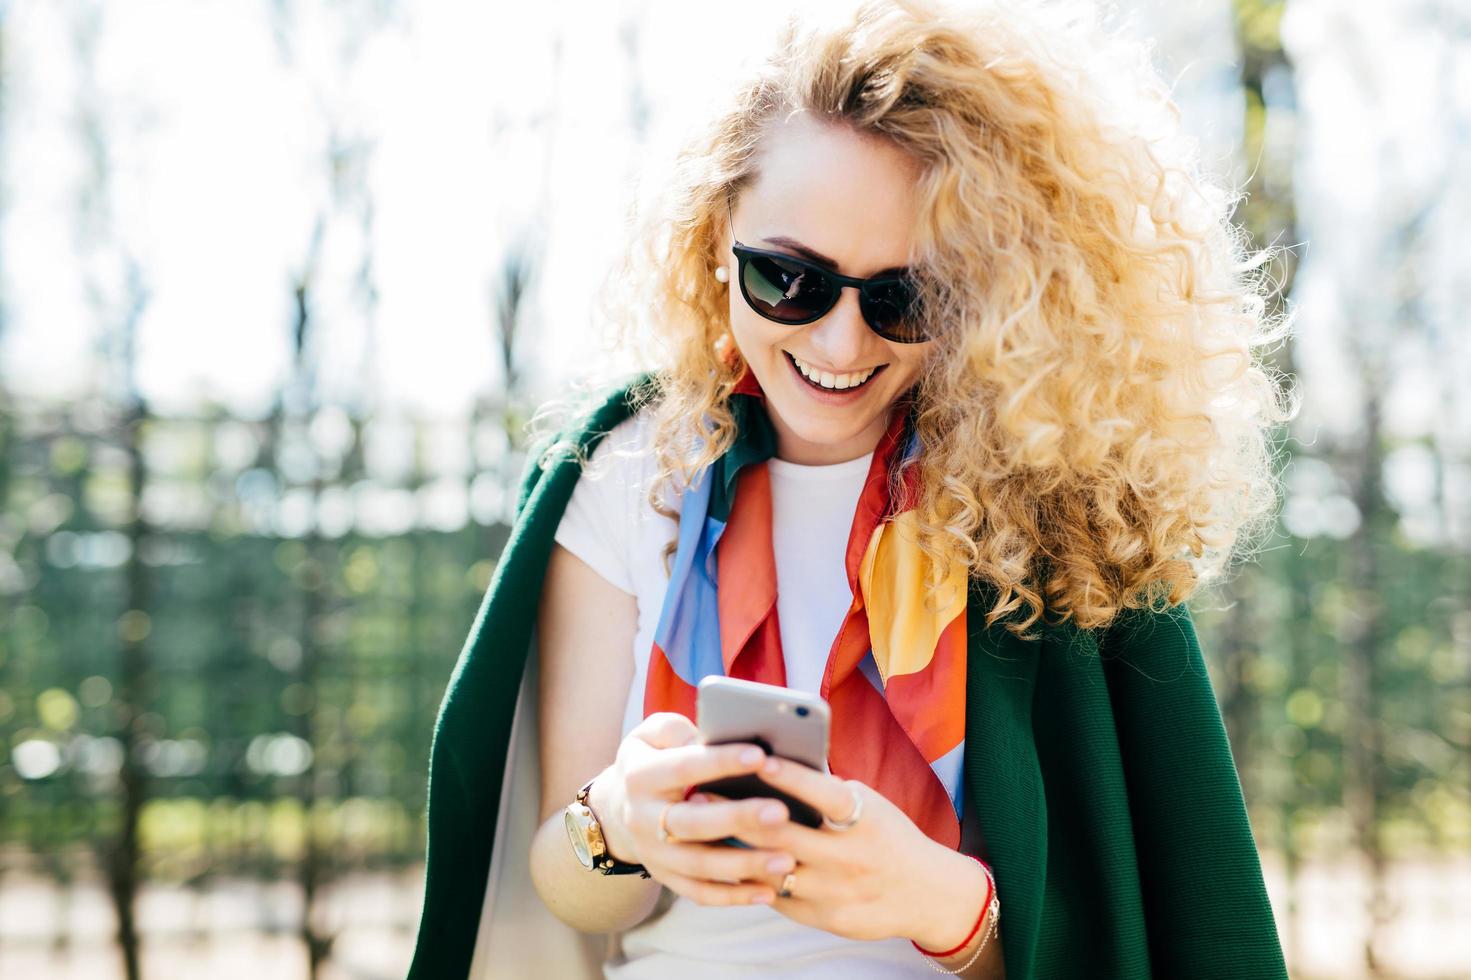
(790, 724)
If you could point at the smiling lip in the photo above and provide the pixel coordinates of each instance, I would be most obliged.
(827, 394)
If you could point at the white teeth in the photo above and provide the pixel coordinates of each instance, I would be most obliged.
(836, 382)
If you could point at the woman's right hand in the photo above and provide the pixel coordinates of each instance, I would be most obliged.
(657, 761)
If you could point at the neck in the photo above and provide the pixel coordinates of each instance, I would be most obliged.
(792, 448)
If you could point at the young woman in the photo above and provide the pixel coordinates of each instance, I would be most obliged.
(954, 385)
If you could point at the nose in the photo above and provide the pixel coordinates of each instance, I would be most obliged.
(841, 335)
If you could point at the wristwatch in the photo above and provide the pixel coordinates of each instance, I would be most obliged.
(587, 838)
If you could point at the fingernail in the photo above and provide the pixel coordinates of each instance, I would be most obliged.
(761, 898)
(779, 864)
(771, 814)
(751, 755)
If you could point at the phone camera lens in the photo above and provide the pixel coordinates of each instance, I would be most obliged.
(801, 711)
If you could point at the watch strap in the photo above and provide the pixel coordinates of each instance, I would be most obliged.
(606, 863)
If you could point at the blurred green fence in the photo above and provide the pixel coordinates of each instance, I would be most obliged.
(196, 684)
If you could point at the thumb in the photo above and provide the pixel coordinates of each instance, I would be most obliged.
(666, 730)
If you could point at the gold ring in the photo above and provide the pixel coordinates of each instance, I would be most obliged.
(665, 837)
(787, 884)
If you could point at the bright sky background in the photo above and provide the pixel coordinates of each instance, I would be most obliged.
(216, 123)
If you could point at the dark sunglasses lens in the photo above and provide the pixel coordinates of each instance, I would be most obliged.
(785, 291)
(891, 310)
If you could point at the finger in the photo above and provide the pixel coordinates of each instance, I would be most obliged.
(779, 833)
(712, 862)
(705, 892)
(803, 907)
(716, 821)
(668, 772)
(825, 792)
(666, 730)
(808, 846)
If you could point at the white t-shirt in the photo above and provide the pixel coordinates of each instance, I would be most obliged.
(609, 525)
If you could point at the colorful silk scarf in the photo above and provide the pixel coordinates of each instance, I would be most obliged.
(895, 676)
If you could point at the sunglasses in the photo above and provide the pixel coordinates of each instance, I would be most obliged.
(794, 291)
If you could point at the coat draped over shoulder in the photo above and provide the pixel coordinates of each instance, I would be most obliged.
(1097, 763)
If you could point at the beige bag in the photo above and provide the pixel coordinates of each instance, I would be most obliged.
(519, 937)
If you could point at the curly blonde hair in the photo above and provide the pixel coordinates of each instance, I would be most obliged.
(1094, 427)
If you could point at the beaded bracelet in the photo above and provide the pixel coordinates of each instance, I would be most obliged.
(992, 903)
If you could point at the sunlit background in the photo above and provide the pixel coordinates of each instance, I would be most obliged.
(280, 284)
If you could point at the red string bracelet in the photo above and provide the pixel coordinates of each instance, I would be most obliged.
(985, 907)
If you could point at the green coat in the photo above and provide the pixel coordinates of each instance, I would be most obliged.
(1098, 765)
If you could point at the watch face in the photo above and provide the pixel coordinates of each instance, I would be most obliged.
(577, 818)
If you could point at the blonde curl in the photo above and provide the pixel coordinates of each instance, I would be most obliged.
(1095, 429)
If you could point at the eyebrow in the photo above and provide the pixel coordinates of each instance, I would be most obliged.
(820, 259)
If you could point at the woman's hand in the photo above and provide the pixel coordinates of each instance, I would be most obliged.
(657, 761)
(880, 878)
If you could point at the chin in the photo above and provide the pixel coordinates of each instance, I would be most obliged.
(818, 434)
(812, 426)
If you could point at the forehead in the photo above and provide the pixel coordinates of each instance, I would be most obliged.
(849, 196)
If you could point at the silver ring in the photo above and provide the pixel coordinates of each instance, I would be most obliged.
(852, 819)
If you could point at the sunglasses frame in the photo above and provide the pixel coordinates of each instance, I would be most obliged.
(744, 253)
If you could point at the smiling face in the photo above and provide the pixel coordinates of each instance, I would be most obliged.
(827, 194)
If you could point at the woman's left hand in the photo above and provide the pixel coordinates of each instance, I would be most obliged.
(880, 878)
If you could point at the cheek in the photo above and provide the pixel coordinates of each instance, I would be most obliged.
(908, 365)
(899, 376)
(755, 336)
